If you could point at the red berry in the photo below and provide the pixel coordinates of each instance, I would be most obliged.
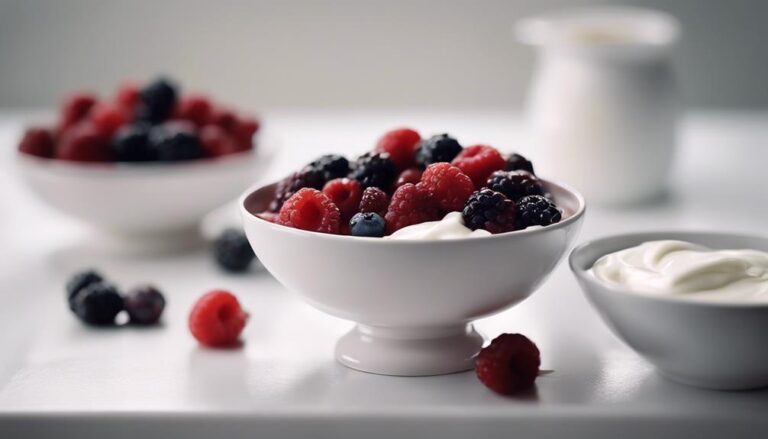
(217, 141)
(310, 209)
(245, 130)
(448, 186)
(509, 364)
(108, 118)
(128, 96)
(346, 194)
(411, 204)
(196, 109)
(217, 319)
(38, 142)
(401, 145)
(225, 118)
(374, 200)
(75, 108)
(83, 143)
(410, 175)
(478, 162)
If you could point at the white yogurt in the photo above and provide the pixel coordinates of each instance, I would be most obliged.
(450, 227)
(678, 268)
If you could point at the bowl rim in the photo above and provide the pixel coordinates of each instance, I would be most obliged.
(574, 218)
(585, 276)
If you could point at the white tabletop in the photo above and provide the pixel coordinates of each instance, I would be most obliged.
(58, 377)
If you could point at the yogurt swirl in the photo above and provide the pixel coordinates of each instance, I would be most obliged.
(679, 268)
(450, 227)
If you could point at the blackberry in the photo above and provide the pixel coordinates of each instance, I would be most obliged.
(80, 281)
(515, 184)
(307, 177)
(367, 224)
(375, 170)
(489, 210)
(232, 251)
(98, 304)
(131, 144)
(536, 210)
(516, 162)
(145, 305)
(157, 101)
(174, 143)
(436, 149)
(331, 166)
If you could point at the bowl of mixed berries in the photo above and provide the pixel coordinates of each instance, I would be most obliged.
(413, 241)
(146, 162)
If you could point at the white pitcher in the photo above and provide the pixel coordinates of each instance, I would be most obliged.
(602, 104)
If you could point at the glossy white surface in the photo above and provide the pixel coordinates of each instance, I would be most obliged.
(57, 377)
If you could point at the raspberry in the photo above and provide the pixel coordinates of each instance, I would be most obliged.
(194, 108)
(245, 130)
(145, 305)
(83, 143)
(536, 210)
(131, 144)
(80, 281)
(401, 146)
(411, 204)
(75, 108)
(108, 118)
(310, 209)
(97, 304)
(478, 162)
(216, 319)
(38, 142)
(128, 96)
(217, 142)
(509, 364)
(490, 210)
(346, 194)
(516, 162)
(447, 186)
(158, 100)
(436, 149)
(232, 251)
(368, 224)
(225, 118)
(375, 170)
(331, 166)
(515, 184)
(174, 142)
(307, 177)
(374, 200)
(410, 175)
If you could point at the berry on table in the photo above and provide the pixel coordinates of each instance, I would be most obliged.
(158, 100)
(216, 141)
(509, 364)
(478, 162)
(374, 200)
(436, 149)
(401, 146)
(79, 281)
(368, 224)
(37, 142)
(97, 304)
(410, 204)
(330, 166)
(174, 142)
(515, 184)
(516, 162)
(536, 210)
(75, 108)
(144, 305)
(232, 251)
(310, 209)
(375, 170)
(194, 108)
(131, 144)
(410, 175)
(447, 186)
(308, 177)
(108, 118)
(345, 194)
(490, 210)
(83, 143)
(217, 319)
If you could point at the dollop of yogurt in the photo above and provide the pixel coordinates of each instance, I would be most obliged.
(450, 227)
(679, 268)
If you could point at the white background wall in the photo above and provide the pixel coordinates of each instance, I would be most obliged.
(347, 53)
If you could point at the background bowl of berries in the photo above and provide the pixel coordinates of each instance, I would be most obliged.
(412, 241)
(148, 162)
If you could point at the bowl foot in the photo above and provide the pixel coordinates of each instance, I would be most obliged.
(409, 351)
(165, 242)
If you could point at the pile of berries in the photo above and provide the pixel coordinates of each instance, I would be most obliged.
(97, 302)
(408, 180)
(153, 123)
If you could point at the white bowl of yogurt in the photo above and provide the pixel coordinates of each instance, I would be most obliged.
(695, 305)
(415, 294)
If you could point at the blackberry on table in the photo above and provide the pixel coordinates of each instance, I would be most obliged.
(157, 101)
(489, 210)
(144, 305)
(98, 304)
(331, 166)
(536, 210)
(516, 162)
(368, 224)
(515, 184)
(173, 143)
(131, 144)
(78, 282)
(232, 251)
(375, 170)
(307, 177)
(436, 149)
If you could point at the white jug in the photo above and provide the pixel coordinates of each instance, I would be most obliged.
(602, 104)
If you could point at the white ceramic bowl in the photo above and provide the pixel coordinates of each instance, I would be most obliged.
(413, 300)
(703, 344)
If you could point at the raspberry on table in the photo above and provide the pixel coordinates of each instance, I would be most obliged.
(490, 210)
(131, 144)
(478, 162)
(144, 305)
(232, 251)
(368, 224)
(310, 209)
(516, 162)
(401, 146)
(537, 210)
(509, 364)
(515, 184)
(128, 96)
(75, 108)
(330, 166)
(175, 142)
(83, 143)
(374, 200)
(345, 194)
(216, 141)
(38, 142)
(194, 108)
(436, 149)
(79, 281)
(97, 304)
(410, 204)
(375, 170)
(158, 100)
(307, 177)
(108, 118)
(217, 319)
(410, 175)
(447, 186)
